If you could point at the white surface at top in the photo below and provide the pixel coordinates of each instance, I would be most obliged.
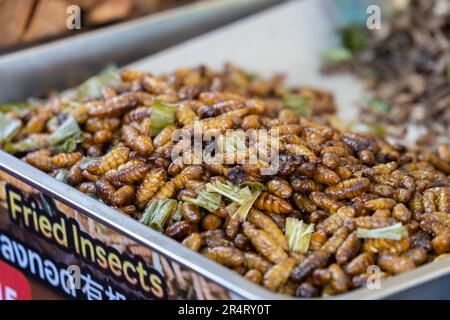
(287, 38)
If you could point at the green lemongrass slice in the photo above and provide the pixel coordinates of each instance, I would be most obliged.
(298, 103)
(394, 232)
(230, 191)
(8, 128)
(62, 175)
(379, 106)
(298, 234)
(336, 54)
(66, 137)
(207, 200)
(33, 142)
(367, 127)
(157, 212)
(162, 115)
(8, 107)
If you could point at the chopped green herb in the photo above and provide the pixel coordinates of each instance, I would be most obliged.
(62, 175)
(353, 37)
(379, 106)
(66, 137)
(207, 200)
(300, 104)
(394, 232)
(157, 212)
(298, 234)
(336, 55)
(8, 128)
(367, 127)
(162, 115)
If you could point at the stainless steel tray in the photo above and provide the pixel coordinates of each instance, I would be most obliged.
(255, 43)
(64, 63)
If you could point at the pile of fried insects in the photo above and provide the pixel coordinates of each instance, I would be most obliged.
(340, 203)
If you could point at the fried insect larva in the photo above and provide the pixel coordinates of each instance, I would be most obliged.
(264, 243)
(272, 203)
(382, 190)
(380, 203)
(325, 201)
(401, 213)
(336, 240)
(361, 280)
(191, 212)
(211, 222)
(87, 187)
(227, 256)
(110, 195)
(254, 276)
(129, 175)
(63, 160)
(339, 281)
(264, 222)
(371, 222)
(40, 159)
(140, 143)
(251, 122)
(278, 275)
(395, 264)
(232, 226)
(177, 230)
(138, 114)
(305, 185)
(315, 260)
(326, 176)
(109, 161)
(164, 136)
(255, 261)
(303, 203)
(394, 247)
(94, 125)
(348, 249)
(279, 187)
(443, 200)
(335, 221)
(349, 189)
(359, 264)
(151, 183)
(114, 107)
(300, 150)
(318, 239)
(169, 188)
(185, 115)
(417, 255)
(123, 196)
(194, 241)
(74, 175)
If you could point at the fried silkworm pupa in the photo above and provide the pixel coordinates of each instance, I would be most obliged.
(178, 230)
(164, 136)
(401, 213)
(152, 181)
(340, 282)
(359, 264)
(325, 201)
(307, 290)
(185, 115)
(114, 107)
(87, 187)
(242, 242)
(255, 261)
(335, 241)
(74, 175)
(417, 255)
(348, 249)
(227, 256)
(254, 276)
(279, 187)
(272, 203)
(232, 226)
(109, 161)
(395, 264)
(315, 260)
(128, 175)
(371, 222)
(194, 241)
(140, 143)
(335, 221)
(326, 176)
(264, 243)
(40, 159)
(63, 160)
(264, 222)
(211, 222)
(191, 212)
(394, 247)
(169, 188)
(278, 275)
(349, 189)
(380, 203)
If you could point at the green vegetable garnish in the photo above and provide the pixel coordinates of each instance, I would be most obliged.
(243, 196)
(8, 128)
(157, 212)
(336, 54)
(8, 107)
(394, 232)
(62, 175)
(92, 87)
(207, 200)
(66, 137)
(86, 161)
(162, 115)
(367, 127)
(33, 142)
(300, 104)
(298, 234)
(353, 37)
(379, 106)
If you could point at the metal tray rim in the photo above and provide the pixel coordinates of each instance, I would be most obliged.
(171, 248)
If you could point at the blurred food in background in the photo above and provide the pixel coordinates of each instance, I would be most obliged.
(406, 65)
(27, 21)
